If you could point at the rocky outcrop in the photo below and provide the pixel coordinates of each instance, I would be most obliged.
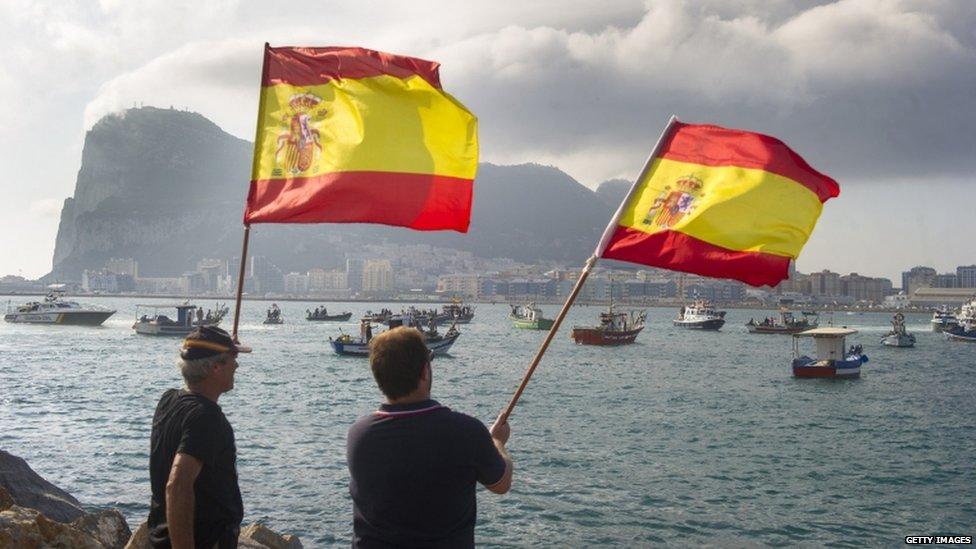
(35, 514)
(28, 489)
(253, 536)
(167, 188)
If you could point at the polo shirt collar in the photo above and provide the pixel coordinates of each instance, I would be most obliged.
(412, 407)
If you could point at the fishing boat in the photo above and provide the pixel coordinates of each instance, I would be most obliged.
(943, 318)
(967, 313)
(438, 343)
(787, 323)
(615, 328)
(320, 314)
(529, 317)
(457, 311)
(378, 318)
(832, 360)
(55, 310)
(274, 315)
(898, 336)
(961, 332)
(700, 315)
(188, 317)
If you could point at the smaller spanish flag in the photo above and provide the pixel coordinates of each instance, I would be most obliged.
(351, 135)
(722, 203)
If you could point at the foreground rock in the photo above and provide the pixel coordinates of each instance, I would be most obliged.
(253, 536)
(28, 489)
(35, 514)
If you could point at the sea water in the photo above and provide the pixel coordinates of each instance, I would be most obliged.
(684, 438)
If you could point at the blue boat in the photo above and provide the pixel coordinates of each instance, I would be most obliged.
(965, 333)
(832, 360)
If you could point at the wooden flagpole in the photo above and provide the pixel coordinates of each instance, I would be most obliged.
(254, 163)
(588, 266)
(240, 282)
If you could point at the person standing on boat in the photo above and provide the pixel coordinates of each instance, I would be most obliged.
(196, 500)
(415, 464)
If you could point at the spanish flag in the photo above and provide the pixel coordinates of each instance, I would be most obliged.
(722, 203)
(351, 135)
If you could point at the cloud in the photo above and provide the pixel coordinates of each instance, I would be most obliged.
(863, 88)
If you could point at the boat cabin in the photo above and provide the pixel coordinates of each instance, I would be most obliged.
(830, 342)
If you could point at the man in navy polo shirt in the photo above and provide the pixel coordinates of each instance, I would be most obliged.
(414, 463)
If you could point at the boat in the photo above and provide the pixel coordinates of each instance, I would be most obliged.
(437, 343)
(188, 318)
(700, 315)
(787, 323)
(378, 318)
(529, 317)
(832, 360)
(898, 336)
(321, 315)
(456, 311)
(965, 332)
(943, 318)
(967, 313)
(615, 328)
(274, 315)
(55, 310)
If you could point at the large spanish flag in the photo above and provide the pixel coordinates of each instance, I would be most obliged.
(350, 135)
(722, 203)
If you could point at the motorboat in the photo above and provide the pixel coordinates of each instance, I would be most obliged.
(320, 314)
(529, 317)
(274, 315)
(943, 318)
(700, 315)
(436, 342)
(787, 323)
(965, 332)
(54, 309)
(456, 311)
(832, 359)
(967, 313)
(152, 321)
(898, 336)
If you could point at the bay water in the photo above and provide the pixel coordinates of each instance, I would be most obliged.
(684, 438)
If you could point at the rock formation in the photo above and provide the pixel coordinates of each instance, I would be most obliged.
(167, 188)
(35, 514)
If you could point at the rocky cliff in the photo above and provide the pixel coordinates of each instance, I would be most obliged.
(167, 188)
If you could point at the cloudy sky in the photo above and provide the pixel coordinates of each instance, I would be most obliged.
(880, 94)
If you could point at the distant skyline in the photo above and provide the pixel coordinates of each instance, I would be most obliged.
(879, 94)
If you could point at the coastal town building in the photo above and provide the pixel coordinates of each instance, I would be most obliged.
(377, 277)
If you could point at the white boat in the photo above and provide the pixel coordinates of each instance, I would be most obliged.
(943, 318)
(55, 310)
(898, 336)
(700, 315)
(188, 317)
(831, 360)
(967, 313)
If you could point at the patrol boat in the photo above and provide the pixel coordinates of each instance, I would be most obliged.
(55, 310)
(700, 316)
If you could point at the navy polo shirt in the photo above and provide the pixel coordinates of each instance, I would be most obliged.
(414, 469)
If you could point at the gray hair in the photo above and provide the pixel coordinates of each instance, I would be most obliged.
(197, 370)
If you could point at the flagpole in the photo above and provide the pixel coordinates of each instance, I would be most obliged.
(612, 226)
(503, 417)
(240, 281)
(255, 160)
(601, 246)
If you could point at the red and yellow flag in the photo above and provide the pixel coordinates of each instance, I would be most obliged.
(350, 135)
(722, 203)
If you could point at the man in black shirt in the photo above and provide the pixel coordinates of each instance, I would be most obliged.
(414, 463)
(196, 501)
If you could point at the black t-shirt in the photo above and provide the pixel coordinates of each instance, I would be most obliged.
(414, 469)
(192, 424)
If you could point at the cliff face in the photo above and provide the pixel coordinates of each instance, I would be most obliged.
(167, 188)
